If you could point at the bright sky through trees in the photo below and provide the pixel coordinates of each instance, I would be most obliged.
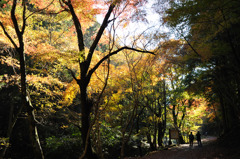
(149, 25)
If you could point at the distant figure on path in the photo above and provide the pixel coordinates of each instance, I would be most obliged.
(199, 138)
(191, 138)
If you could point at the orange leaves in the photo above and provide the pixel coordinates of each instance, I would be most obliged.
(125, 10)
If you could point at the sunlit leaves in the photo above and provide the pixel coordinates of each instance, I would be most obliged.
(46, 92)
(70, 93)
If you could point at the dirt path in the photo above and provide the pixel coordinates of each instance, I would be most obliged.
(209, 150)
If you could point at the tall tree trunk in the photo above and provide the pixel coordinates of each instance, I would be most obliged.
(25, 101)
(26, 104)
(86, 110)
(160, 134)
(162, 125)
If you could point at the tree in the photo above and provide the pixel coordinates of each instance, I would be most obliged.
(25, 100)
(213, 43)
(84, 65)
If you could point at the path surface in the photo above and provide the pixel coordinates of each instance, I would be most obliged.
(209, 150)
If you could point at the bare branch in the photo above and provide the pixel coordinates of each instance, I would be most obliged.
(99, 34)
(113, 53)
(195, 51)
(8, 36)
(40, 10)
(14, 20)
(73, 75)
(23, 16)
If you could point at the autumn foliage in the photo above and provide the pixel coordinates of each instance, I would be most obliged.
(72, 86)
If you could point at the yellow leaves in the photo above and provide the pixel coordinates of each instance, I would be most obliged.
(64, 126)
(150, 118)
(195, 128)
(154, 118)
(9, 61)
(125, 24)
(40, 84)
(115, 108)
(82, 56)
(4, 142)
(107, 117)
(70, 93)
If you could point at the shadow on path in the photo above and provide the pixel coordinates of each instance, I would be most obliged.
(209, 150)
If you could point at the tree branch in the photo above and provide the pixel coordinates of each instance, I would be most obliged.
(99, 34)
(8, 36)
(14, 20)
(23, 16)
(77, 26)
(72, 73)
(189, 44)
(40, 10)
(113, 53)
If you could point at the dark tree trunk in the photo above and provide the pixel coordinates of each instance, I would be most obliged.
(25, 99)
(149, 139)
(162, 125)
(86, 110)
(160, 134)
(26, 105)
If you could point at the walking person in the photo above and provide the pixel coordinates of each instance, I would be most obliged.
(191, 138)
(199, 139)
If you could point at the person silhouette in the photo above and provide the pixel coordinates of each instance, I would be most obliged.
(199, 138)
(191, 138)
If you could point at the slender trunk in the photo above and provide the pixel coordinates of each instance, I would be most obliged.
(155, 136)
(160, 126)
(160, 134)
(25, 103)
(33, 134)
(130, 124)
(165, 106)
(155, 128)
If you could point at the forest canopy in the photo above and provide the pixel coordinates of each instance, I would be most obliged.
(83, 79)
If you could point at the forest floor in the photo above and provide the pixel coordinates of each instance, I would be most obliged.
(212, 148)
